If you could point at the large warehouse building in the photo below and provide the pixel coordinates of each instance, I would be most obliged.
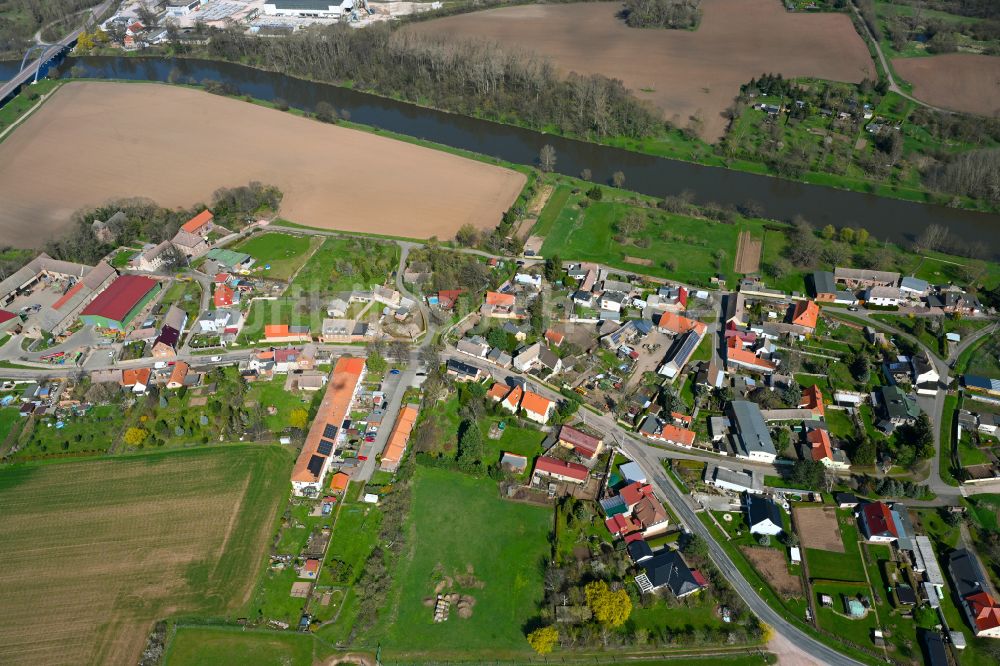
(309, 8)
(117, 305)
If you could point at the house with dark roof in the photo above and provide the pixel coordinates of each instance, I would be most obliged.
(894, 408)
(763, 515)
(824, 288)
(462, 372)
(981, 610)
(667, 569)
(752, 437)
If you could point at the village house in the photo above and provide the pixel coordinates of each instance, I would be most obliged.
(879, 524)
(856, 278)
(224, 296)
(343, 331)
(462, 372)
(981, 610)
(178, 375)
(337, 308)
(881, 296)
(812, 399)
(136, 379)
(655, 428)
(476, 346)
(583, 444)
(763, 515)
(153, 257)
(286, 333)
(668, 569)
(190, 245)
(745, 359)
(914, 288)
(804, 315)
(636, 510)
(536, 408)
(500, 305)
(751, 437)
(894, 408)
(551, 468)
(818, 446)
(737, 481)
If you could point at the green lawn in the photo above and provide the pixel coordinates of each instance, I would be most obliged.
(458, 525)
(284, 253)
(846, 566)
(94, 432)
(551, 211)
(343, 264)
(678, 247)
(858, 631)
(840, 424)
(522, 441)
(222, 646)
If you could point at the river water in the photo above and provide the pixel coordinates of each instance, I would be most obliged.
(884, 218)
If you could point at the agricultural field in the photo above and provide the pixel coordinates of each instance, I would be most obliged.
(393, 185)
(501, 574)
(284, 253)
(684, 73)
(956, 81)
(181, 528)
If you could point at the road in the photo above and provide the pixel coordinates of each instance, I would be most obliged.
(933, 406)
(28, 73)
(893, 86)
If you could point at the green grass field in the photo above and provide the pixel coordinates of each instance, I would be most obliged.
(678, 247)
(846, 566)
(458, 526)
(128, 541)
(231, 646)
(553, 207)
(284, 253)
(343, 264)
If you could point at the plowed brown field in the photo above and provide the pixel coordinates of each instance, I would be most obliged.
(95, 552)
(95, 141)
(956, 81)
(682, 72)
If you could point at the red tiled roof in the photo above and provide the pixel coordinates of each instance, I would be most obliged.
(805, 314)
(677, 324)
(447, 297)
(198, 221)
(555, 337)
(621, 524)
(821, 446)
(672, 433)
(311, 565)
(498, 391)
(634, 492)
(878, 519)
(812, 399)
(985, 610)
(120, 297)
(514, 397)
(496, 298)
(536, 404)
(6, 316)
(223, 296)
(567, 469)
(131, 377)
(68, 295)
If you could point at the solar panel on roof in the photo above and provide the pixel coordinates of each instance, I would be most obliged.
(325, 447)
(330, 431)
(316, 465)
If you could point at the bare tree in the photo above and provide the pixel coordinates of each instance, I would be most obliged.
(547, 158)
(618, 179)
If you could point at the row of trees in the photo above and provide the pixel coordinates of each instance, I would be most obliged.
(470, 77)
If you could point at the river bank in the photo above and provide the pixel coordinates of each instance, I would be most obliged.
(884, 218)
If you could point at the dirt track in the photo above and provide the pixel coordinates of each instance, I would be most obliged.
(957, 81)
(96, 141)
(688, 72)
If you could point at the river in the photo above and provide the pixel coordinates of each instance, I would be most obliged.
(884, 218)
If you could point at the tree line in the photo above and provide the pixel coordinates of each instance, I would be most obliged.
(471, 77)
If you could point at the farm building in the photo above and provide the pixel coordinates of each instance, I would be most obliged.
(123, 299)
(981, 610)
(752, 437)
(327, 428)
(560, 470)
(200, 223)
(396, 445)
